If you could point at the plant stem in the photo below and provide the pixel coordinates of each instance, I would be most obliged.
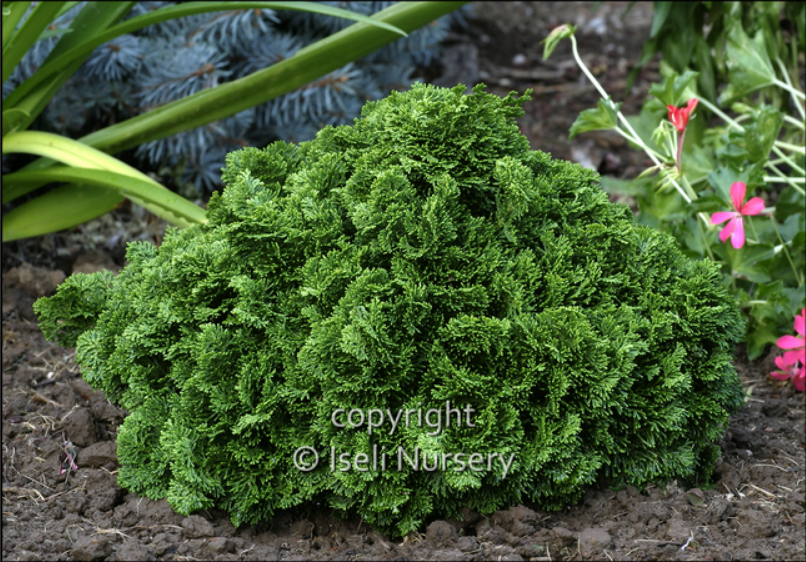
(792, 147)
(624, 121)
(790, 181)
(791, 89)
(788, 160)
(721, 115)
(788, 257)
(630, 138)
(705, 240)
(792, 121)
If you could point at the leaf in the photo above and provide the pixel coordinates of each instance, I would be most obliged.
(90, 21)
(162, 202)
(11, 119)
(83, 49)
(745, 260)
(659, 17)
(675, 89)
(792, 225)
(12, 15)
(760, 134)
(66, 150)
(308, 64)
(749, 66)
(53, 33)
(723, 178)
(772, 312)
(697, 163)
(22, 40)
(645, 124)
(695, 497)
(759, 338)
(693, 238)
(603, 117)
(632, 187)
(790, 202)
(62, 208)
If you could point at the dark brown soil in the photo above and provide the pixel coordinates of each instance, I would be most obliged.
(52, 512)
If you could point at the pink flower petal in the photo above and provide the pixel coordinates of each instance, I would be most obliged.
(692, 104)
(779, 362)
(753, 207)
(737, 238)
(795, 355)
(800, 325)
(789, 342)
(799, 381)
(722, 216)
(728, 230)
(780, 376)
(737, 192)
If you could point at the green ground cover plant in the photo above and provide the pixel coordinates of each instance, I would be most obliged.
(725, 131)
(423, 255)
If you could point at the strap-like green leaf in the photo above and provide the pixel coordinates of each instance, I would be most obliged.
(59, 209)
(225, 100)
(27, 35)
(91, 20)
(306, 65)
(162, 202)
(12, 15)
(68, 151)
(83, 49)
(11, 119)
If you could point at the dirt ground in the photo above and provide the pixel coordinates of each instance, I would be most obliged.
(52, 512)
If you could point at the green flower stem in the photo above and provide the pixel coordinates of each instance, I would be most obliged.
(630, 138)
(783, 178)
(602, 92)
(790, 181)
(739, 128)
(689, 189)
(788, 257)
(792, 147)
(705, 240)
(637, 139)
(714, 109)
(791, 89)
(792, 121)
(788, 160)
(753, 228)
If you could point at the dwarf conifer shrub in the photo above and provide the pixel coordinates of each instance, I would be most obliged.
(423, 255)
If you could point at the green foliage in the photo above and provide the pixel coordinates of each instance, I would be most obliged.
(751, 54)
(422, 255)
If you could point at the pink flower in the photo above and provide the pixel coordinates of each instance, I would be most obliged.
(797, 372)
(735, 229)
(793, 361)
(796, 346)
(679, 116)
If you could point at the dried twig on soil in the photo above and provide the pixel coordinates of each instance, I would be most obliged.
(36, 397)
(24, 491)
